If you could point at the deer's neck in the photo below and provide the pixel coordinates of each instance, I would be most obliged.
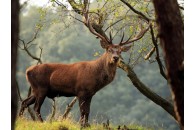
(105, 69)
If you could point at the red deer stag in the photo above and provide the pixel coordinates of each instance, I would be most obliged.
(82, 79)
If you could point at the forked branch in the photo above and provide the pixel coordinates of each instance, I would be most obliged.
(27, 45)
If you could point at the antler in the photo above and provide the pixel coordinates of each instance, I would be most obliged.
(137, 37)
(88, 24)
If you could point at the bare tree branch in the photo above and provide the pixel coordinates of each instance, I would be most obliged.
(69, 106)
(35, 35)
(149, 54)
(154, 41)
(27, 45)
(167, 106)
(136, 11)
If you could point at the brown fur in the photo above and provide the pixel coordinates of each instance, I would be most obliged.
(82, 79)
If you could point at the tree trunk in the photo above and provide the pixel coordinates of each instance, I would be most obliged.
(14, 41)
(171, 32)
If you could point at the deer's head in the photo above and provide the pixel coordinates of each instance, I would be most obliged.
(113, 52)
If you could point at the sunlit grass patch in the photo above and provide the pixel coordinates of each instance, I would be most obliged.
(68, 124)
(25, 124)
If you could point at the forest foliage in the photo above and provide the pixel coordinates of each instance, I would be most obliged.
(65, 41)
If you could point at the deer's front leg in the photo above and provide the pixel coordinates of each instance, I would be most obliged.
(84, 104)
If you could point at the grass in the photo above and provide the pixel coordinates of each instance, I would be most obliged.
(25, 124)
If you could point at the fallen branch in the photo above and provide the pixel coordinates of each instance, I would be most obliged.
(68, 108)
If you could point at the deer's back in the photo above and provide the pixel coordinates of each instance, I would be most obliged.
(44, 73)
(62, 78)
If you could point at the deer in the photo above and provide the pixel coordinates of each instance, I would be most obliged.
(82, 79)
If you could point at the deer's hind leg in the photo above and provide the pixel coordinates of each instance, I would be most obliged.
(38, 103)
(27, 102)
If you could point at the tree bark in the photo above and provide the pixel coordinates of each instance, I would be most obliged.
(167, 106)
(14, 41)
(171, 31)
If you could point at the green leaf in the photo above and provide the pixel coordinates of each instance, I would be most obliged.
(96, 54)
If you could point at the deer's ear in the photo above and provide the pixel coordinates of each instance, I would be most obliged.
(125, 48)
(103, 44)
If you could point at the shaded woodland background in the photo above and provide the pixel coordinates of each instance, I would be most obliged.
(66, 41)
